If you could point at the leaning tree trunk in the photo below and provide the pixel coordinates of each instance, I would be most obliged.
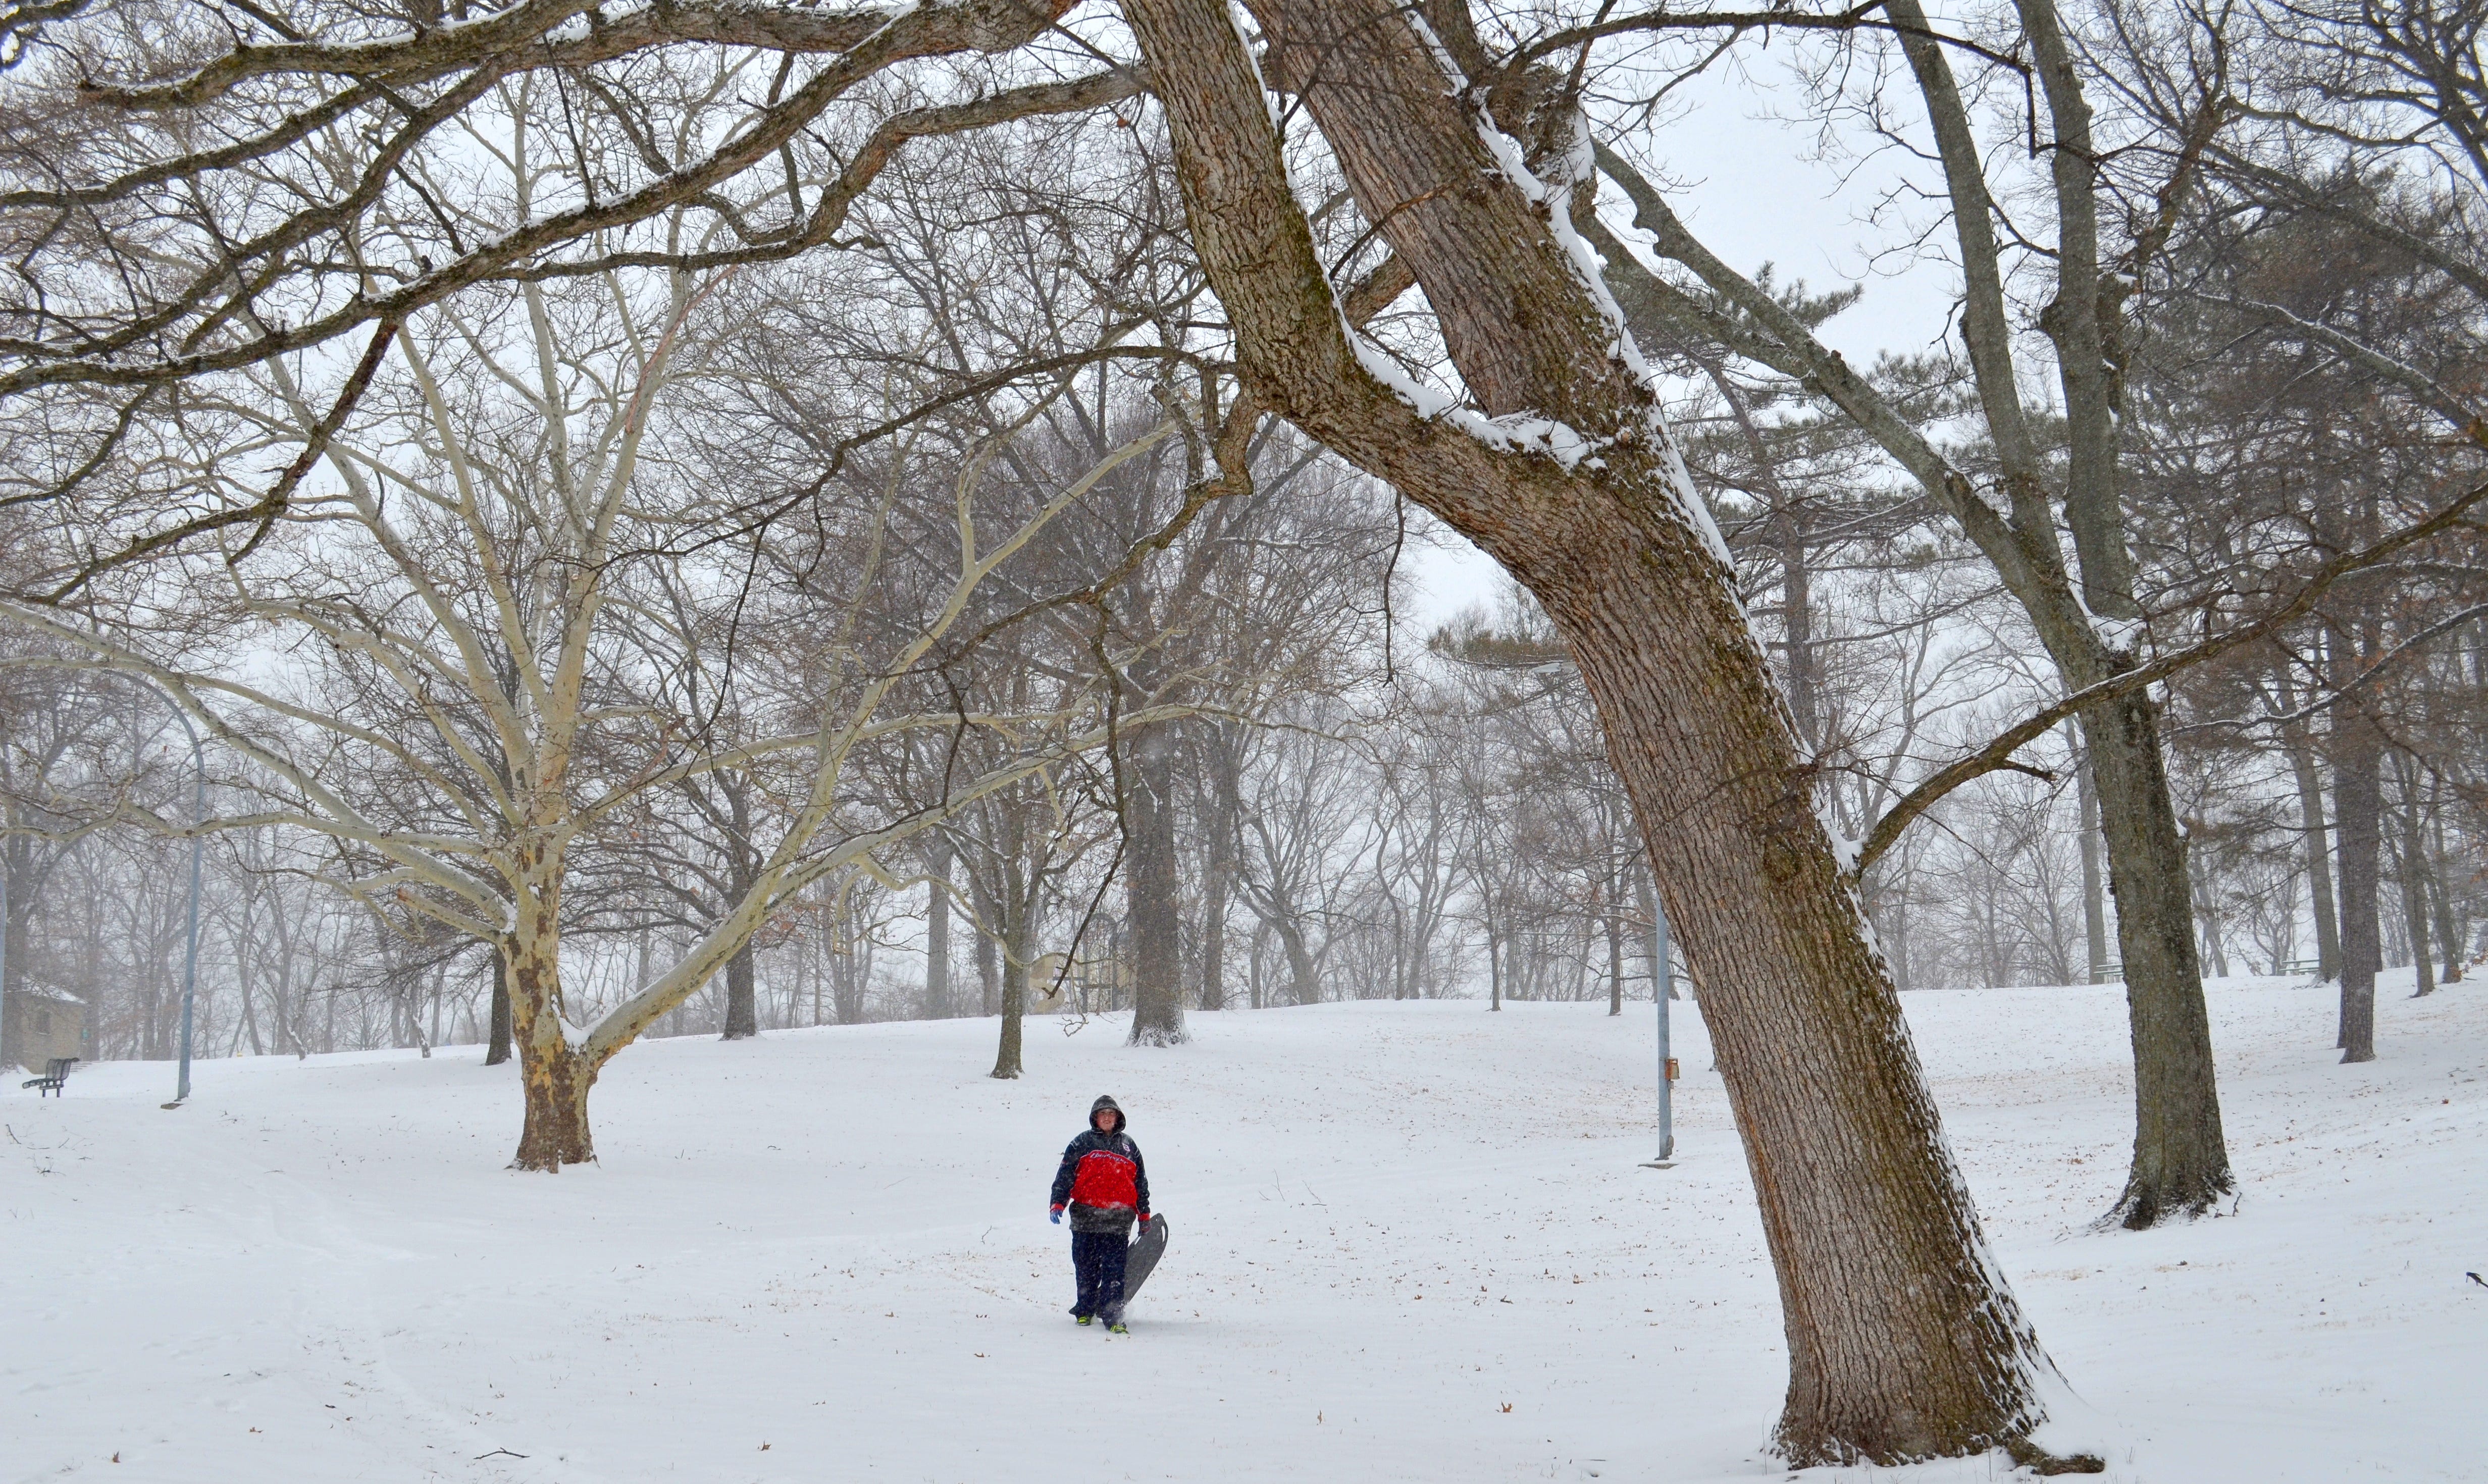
(1904, 1341)
(1151, 904)
(2181, 1159)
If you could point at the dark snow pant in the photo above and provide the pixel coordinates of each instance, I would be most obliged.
(1098, 1257)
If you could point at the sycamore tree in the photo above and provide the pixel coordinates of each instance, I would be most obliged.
(439, 654)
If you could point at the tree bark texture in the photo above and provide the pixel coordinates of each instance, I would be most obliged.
(1151, 888)
(741, 1002)
(556, 1075)
(496, 1049)
(2181, 1158)
(1903, 1341)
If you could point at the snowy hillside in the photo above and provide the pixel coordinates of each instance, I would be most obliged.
(1411, 1242)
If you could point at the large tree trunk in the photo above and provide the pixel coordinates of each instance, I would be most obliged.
(1150, 875)
(555, 1076)
(2181, 1161)
(742, 1004)
(1904, 1341)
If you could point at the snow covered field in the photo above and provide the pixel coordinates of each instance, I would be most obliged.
(1411, 1242)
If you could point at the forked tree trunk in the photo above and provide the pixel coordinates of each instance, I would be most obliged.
(1904, 1341)
(2181, 1161)
(1151, 891)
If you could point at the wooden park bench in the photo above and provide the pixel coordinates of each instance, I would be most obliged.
(56, 1076)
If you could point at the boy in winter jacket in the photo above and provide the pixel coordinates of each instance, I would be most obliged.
(1105, 1187)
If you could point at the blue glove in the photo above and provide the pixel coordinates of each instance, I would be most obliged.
(1056, 1216)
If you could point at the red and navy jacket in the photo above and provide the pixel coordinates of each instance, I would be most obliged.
(1103, 1182)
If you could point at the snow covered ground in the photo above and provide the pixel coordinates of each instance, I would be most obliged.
(1411, 1242)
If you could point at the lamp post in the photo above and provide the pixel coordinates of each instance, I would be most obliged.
(1662, 984)
(6, 1046)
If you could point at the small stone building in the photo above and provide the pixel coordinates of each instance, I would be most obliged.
(41, 1026)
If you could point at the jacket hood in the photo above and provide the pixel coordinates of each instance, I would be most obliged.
(1101, 1105)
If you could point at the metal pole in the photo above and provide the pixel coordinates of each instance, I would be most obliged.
(1665, 982)
(198, 846)
(7, 1046)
